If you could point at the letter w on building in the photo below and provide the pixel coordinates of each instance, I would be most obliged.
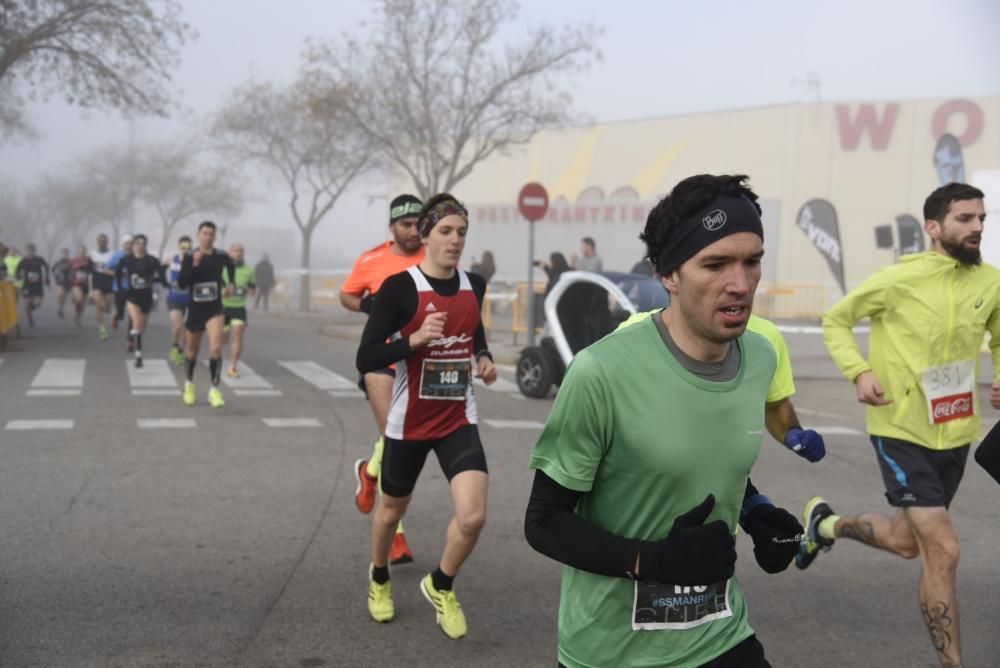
(866, 118)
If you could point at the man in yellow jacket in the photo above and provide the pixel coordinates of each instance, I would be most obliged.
(928, 317)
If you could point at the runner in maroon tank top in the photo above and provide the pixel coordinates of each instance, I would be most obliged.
(427, 319)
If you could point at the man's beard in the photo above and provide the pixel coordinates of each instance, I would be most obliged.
(968, 257)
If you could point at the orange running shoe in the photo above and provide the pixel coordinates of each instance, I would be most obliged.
(364, 494)
(400, 552)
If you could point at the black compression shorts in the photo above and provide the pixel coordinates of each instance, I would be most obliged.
(402, 461)
(387, 371)
(141, 298)
(104, 283)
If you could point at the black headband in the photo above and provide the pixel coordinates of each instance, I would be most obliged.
(724, 215)
(448, 207)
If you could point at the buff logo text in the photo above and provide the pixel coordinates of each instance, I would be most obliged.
(714, 220)
(449, 341)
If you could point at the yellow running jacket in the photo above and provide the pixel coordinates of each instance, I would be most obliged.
(928, 316)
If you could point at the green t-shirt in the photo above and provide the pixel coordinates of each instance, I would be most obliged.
(646, 441)
(782, 385)
(244, 279)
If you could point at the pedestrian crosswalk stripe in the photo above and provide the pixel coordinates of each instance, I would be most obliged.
(258, 393)
(318, 376)
(499, 385)
(166, 423)
(26, 425)
(292, 422)
(155, 373)
(62, 373)
(156, 393)
(348, 394)
(247, 380)
(837, 431)
(53, 393)
(514, 424)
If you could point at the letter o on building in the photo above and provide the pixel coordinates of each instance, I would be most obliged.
(973, 120)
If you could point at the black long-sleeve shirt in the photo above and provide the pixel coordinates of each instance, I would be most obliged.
(394, 307)
(139, 273)
(31, 270)
(196, 279)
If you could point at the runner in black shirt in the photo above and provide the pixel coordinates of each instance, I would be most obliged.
(61, 275)
(201, 274)
(141, 271)
(31, 271)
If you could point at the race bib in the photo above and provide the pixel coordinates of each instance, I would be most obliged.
(82, 275)
(138, 282)
(949, 389)
(661, 606)
(444, 380)
(239, 292)
(33, 276)
(205, 292)
(100, 266)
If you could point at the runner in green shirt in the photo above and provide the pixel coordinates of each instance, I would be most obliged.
(234, 307)
(642, 470)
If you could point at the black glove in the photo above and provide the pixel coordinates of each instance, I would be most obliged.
(693, 553)
(366, 303)
(776, 535)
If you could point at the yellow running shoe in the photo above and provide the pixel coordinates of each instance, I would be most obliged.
(450, 617)
(215, 398)
(232, 372)
(102, 333)
(380, 605)
(176, 356)
(189, 394)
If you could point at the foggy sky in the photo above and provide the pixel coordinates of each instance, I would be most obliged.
(658, 59)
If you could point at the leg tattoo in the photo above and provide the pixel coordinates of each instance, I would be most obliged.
(938, 619)
(859, 531)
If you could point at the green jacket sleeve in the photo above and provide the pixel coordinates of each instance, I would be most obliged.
(866, 301)
(993, 327)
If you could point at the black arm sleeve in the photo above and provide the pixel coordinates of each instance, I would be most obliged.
(553, 528)
(394, 307)
(161, 274)
(479, 289)
(184, 278)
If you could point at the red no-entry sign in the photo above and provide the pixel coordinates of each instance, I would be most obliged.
(533, 201)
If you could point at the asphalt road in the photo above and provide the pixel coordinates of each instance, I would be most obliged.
(203, 537)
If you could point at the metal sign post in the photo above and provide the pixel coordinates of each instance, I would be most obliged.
(533, 202)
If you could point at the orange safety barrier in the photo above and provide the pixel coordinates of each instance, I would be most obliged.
(794, 301)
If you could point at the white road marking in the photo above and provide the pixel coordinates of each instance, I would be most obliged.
(53, 393)
(166, 423)
(156, 393)
(292, 422)
(820, 414)
(837, 431)
(514, 424)
(258, 393)
(814, 329)
(319, 376)
(500, 385)
(154, 373)
(60, 373)
(348, 394)
(247, 380)
(27, 425)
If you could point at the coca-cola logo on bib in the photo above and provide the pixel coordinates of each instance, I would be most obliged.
(953, 407)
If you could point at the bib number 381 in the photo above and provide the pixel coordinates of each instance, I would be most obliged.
(949, 391)
(444, 380)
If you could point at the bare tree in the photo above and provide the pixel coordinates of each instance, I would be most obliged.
(60, 212)
(178, 184)
(437, 94)
(110, 175)
(96, 53)
(317, 157)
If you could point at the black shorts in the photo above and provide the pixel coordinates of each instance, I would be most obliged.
(402, 461)
(198, 316)
(32, 290)
(747, 654)
(141, 298)
(235, 313)
(83, 288)
(918, 477)
(177, 305)
(387, 371)
(105, 284)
